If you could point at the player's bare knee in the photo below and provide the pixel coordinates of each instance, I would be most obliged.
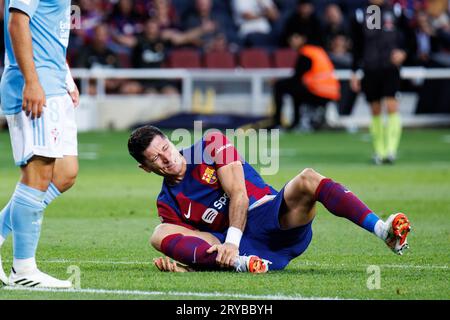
(309, 180)
(159, 233)
(70, 176)
(69, 181)
(154, 242)
(155, 239)
(65, 173)
(64, 183)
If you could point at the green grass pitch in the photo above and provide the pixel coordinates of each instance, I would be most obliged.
(103, 224)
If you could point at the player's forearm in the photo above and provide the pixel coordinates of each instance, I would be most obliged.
(232, 178)
(20, 34)
(238, 217)
(238, 210)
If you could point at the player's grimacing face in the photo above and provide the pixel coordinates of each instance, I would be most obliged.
(163, 158)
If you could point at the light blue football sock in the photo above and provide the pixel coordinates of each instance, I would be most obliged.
(5, 215)
(51, 194)
(5, 221)
(27, 210)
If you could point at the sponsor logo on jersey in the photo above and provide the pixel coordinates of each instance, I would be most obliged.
(209, 215)
(64, 27)
(219, 204)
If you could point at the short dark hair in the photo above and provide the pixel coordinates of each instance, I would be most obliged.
(140, 139)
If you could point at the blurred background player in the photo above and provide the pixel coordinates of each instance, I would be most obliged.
(38, 97)
(380, 51)
(313, 82)
(215, 208)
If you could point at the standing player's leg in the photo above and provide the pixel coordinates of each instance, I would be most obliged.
(65, 171)
(393, 129)
(391, 86)
(373, 87)
(27, 208)
(27, 211)
(303, 191)
(377, 132)
(49, 137)
(24, 212)
(64, 174)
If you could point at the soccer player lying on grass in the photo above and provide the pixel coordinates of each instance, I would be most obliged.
(218, 213)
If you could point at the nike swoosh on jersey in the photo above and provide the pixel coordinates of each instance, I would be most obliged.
(188, 215)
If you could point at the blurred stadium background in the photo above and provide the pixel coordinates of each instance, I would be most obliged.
(145, 60)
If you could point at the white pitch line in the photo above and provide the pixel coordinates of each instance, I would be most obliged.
(412, 266)
(172, 293)
(112, 262)
(394, 266)
(303, 263)
(104, 262)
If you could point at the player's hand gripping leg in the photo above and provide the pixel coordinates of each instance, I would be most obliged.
(226, 254)
(165, 264)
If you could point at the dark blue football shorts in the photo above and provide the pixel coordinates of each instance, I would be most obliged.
(264, 237)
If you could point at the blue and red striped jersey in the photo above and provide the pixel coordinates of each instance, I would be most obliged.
(198, 201)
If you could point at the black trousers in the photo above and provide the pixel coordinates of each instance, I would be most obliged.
(299, 93)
